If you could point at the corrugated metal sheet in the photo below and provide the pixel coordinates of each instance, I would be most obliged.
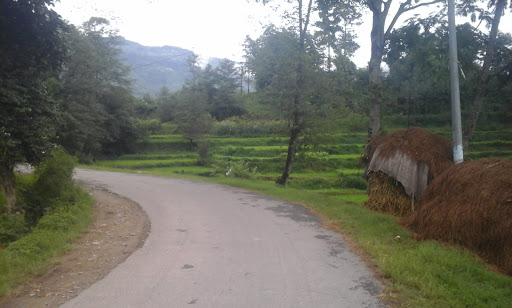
(411, 174)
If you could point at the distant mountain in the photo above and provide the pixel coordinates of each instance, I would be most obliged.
(155, 67)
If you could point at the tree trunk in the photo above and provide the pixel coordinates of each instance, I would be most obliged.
(7, 187)
(374, 71)
(473, 116)
(292, 149)
(298, 120)
(485, 75)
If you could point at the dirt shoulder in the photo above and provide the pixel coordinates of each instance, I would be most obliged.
(120, 228)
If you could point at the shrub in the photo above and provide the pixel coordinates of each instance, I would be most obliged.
(148, 127)
(241, 127)
(238, 169)
(205, 156)
(53, 183)
(12, 227)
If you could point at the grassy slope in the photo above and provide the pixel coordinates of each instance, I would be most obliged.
(32, 254)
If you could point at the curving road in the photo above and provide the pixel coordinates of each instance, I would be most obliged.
(216, 246)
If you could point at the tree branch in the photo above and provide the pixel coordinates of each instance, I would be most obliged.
(403, 8)
(372, 6)
(308, 16)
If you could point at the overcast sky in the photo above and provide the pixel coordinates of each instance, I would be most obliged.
(210, 28)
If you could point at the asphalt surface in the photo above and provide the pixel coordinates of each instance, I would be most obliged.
(217, 246)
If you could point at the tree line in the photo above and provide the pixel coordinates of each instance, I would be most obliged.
(62, 85)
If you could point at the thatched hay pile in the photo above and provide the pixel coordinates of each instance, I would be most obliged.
(422, 146)
(387, 195)
(411, 158)
(470, 205)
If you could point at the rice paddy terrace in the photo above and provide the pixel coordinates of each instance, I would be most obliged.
(329, 165)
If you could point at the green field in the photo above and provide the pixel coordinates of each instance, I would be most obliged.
(327, 178)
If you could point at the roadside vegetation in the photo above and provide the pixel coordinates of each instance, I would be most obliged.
(297, 112)
(52, 212)
(416, 273)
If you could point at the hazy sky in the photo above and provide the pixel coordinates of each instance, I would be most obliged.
(210, 28)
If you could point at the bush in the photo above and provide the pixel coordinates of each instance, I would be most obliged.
(148, 127)
(205, 156)
(12, 227)
(52, 185)
(237, 169)
(241, 127)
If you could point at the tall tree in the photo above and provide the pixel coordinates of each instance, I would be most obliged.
(488, 70)
(416, 55)
(337, 28)
(220, 83)
(31, 51)
(380, 32)
(95, 94)
(302, 15)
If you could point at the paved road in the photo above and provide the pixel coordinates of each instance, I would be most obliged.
(216, 246)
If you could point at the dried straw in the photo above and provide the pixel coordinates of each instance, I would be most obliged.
(470, 205)
(387, 195)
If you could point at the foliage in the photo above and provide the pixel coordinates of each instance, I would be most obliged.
(30, 255)
(205, 155)
(94, 93)
(237, 169)
(148, 127)
(192, 118)
(32, 51)
(247, 127)
(337, 22)
(417, 56)
(286, 65)
(220, 83)
(12, 227)
(53, 185)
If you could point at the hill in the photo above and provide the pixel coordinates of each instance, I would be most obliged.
(155, 67)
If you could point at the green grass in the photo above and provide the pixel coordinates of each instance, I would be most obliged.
(31, 255)
(158, 156)
(141, 164)
(416, 273)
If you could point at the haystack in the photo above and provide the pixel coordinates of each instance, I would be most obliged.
(411, 159)
(470, 205)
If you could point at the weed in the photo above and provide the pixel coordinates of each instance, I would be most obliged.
(237, 169)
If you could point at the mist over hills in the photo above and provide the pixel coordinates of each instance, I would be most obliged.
(155, 67)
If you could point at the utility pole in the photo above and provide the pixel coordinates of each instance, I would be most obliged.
(458, 152)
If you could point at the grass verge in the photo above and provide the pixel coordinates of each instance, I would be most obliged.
(416, 273)
(32, 254)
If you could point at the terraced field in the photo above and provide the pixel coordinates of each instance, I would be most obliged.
(330, 166)
(327, 179)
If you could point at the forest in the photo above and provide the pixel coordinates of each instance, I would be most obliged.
(297, 111)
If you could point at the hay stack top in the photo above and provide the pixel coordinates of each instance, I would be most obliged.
(413, 157)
